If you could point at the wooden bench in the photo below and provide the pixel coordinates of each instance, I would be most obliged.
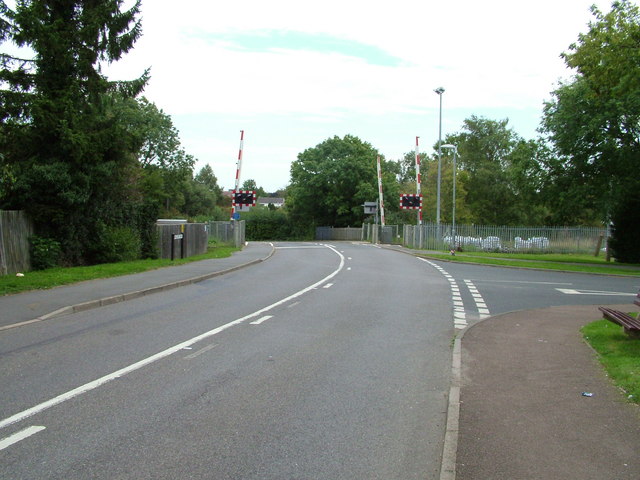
(631, 325)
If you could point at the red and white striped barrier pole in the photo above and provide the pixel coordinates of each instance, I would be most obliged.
(418, 180)
(381, 200)
(238, 168)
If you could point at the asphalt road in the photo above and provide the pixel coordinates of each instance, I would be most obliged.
(326, 361)
(323, 362)
(486, 290)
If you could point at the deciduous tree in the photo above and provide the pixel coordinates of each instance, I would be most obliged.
(593, 120)
(331, 181)
(499, 173)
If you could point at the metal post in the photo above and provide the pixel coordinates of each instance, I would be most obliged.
(238, 168)
(453, 213)
(380, 198)
(455, 154)
(439, 91)
(418, 180)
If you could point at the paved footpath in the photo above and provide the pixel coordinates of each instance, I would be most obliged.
(522, 412)
(37, 305)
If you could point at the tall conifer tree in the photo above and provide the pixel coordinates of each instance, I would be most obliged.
(68, 159)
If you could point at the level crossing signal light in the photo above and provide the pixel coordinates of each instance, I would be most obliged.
(244, 198)
(410, 202)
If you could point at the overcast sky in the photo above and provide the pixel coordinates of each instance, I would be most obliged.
(293, 73)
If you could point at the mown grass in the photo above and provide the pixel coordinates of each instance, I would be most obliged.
(618, 353)
(549, 257)
(565, 262)
(54, 277)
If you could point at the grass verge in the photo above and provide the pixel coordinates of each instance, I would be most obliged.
(54, 277)
(568, 263)
(618, 353)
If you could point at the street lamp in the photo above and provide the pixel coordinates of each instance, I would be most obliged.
(439, 91)
(453, 213)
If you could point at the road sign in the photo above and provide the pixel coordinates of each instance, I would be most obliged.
(244, 197)
(410, 201)
(370, 208)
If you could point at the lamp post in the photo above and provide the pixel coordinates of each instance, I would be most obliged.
(439, 91)
(453, 213)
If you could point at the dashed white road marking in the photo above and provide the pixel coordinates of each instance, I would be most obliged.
(483, 311)
(19, 436)
(201, 351)
(459, 313)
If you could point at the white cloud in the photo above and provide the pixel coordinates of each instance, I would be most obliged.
(498, 58)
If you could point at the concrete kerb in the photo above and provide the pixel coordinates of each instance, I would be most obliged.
(81, 307)
(452, 429)
(450, 445)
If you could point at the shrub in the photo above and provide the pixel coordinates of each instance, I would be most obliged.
(263, 224)
(147, 218)
(266, 224)
(626, 229)
(118, 244)
(45, 252)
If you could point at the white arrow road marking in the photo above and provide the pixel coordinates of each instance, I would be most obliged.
(262, 319)
(570, 291)
(21, 435)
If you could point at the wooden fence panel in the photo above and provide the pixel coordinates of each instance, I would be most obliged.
(15, 230)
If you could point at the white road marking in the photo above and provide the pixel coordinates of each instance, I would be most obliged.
(21, 435)
(201, 351)
(261, 319)
(328, 285)
(160, 355)
(483, 311)
(459, 314)
(570, 291)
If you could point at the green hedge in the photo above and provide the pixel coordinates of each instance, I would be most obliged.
(273, 224)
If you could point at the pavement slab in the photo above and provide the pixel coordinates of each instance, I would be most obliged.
(522, 412)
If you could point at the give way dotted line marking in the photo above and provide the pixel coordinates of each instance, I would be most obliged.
(459, 313)
(483, 311)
